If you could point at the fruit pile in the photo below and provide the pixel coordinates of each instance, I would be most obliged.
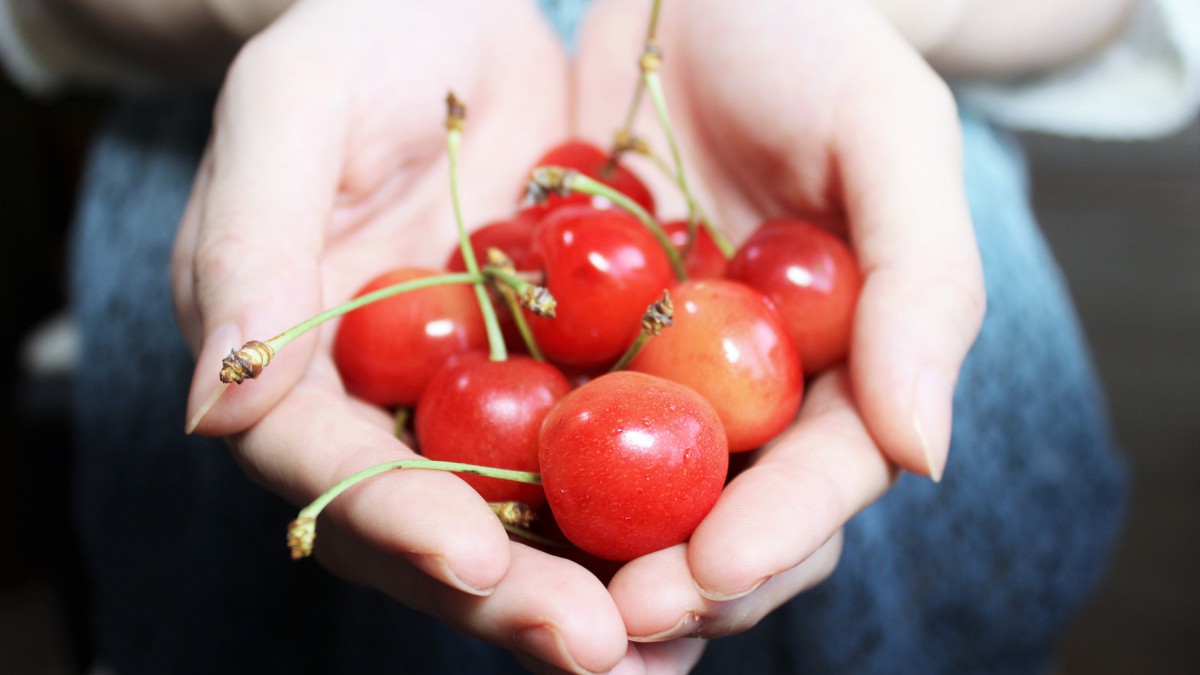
(584, 361)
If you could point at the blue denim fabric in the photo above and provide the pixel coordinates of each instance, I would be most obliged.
(185, 555)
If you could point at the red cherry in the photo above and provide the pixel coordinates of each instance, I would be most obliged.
(604, 269)
(489, 413)
(813, 279)
(594, 163)
(387, 351)
(728, 343)
(705, 260)
(631, 464)
(514, 236)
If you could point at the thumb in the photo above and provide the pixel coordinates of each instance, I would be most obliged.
(922, 301)
(251, 240)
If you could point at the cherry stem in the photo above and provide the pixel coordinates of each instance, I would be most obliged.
(514, 308)
(531, 296)
(400, 421)
(626, 130)
(649, 65)
(517, 518)
(659, 316)
(534, 537)
(247, 362)
(536, 298)
(565, 181)
(456, 114)
(303, 530)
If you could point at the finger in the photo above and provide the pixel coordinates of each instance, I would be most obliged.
(798, 493)
(183, 256)
(433, 520)
(554, 614)
(922, 301)
(275, 157)
(661, 602)
(668, 658)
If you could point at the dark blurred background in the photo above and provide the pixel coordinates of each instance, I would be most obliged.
(1123, 218)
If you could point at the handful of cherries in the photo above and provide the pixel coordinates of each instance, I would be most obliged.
(643, 353)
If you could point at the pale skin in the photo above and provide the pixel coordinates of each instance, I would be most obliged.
(327, 165)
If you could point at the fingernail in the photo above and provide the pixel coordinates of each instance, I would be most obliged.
(450, 578)
(207, 387)
(201, 412)
(931, 419)
(690, 624)
(546, 644)
(720, 596)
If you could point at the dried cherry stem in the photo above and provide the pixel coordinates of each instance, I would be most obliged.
(649, 63)
(563, 181)
(302, 531)
(400, 421)
(536, 299)
(659, 316)
(248, 362)
(626, 130)
(517, 517)
(456, 114)
(514, 513)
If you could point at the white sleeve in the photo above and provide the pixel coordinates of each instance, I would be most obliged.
(1145, 84)
(42, 55)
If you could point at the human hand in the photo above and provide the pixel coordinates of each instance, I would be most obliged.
(814, 109)
(327, 165)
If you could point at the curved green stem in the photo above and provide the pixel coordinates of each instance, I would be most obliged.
(454, 120)
(303, 530)
(283, 339)
(695, 214)
(576, 182)
(636, 102)
(247, 362)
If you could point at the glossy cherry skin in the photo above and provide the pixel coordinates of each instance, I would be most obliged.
(489, 413)
(513, 235)
(386, 352)
(704, 260)
(604, 269)
(594, 163)
(728, 343)
(813, 279)
(631, 464)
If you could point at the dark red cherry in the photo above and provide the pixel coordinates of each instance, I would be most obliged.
(489, 413)
(812, 278)
(386, 352)
(513, 235)
(594, 163)
(704, 260)
(604, 269)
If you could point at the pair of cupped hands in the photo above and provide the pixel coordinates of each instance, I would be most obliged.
(327, 165)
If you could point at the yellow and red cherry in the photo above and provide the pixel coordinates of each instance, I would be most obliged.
(728, 343)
